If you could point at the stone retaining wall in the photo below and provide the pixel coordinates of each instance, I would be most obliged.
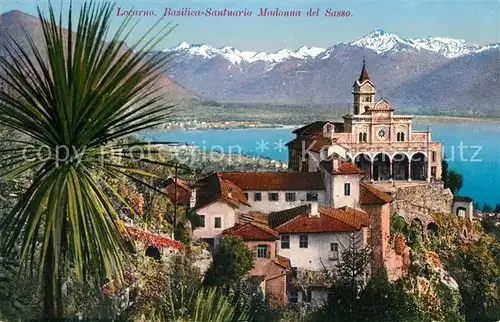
(421, 201)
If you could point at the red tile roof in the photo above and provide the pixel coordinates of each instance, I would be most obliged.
(344, 168)
(183, 191)
(213, 188)
(317, 127)
(353, 217)
(252, 231)
(283, 261)
(275, 180)
(298, 220)
(280, 217)
(369, 194)
(320, 224)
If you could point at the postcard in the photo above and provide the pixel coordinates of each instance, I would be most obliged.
(306, 159)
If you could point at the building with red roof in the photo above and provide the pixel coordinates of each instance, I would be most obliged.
(385, 146)
(269, 267)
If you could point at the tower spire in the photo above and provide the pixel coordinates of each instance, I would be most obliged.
(364, 73)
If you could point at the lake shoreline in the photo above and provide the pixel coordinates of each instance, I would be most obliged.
(235, 125)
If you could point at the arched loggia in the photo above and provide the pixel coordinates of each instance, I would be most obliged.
(382, 167)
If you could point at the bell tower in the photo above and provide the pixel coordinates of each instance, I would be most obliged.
(363, 92)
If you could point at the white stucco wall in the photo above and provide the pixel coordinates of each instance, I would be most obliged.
(267, 206)
(318, 252)
(211, 211)
(337, 194)
(469, 211)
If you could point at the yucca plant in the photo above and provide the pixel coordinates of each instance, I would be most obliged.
(73, 98)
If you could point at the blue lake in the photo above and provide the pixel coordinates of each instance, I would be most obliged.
(471, 148)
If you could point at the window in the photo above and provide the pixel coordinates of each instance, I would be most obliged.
(290, 196)
(257, 196)
(303, 241)
(285, 241)
(218, 222)
(334, 251)
(202, 221)
(246, 195)
(433, 156)
(312, 196)
(273, 196)
(306, 296)
(364, 137)
(400, 136)
(293, 297)
(347, 189)
(261, 251)
(433, 172)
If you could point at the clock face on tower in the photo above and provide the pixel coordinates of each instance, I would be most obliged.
(382, 134)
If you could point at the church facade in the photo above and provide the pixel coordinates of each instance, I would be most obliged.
(382, 144)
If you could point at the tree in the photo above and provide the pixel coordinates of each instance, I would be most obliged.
(72, 107)
(477, 270)
(444, 170)
(231, 262)
(348, 281)
(455, 181)
(487, 208)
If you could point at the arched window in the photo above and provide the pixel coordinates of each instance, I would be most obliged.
(362, 137)
(400, 136)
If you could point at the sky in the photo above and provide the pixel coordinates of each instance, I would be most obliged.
(474, 21)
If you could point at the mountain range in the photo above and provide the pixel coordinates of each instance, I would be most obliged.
(433, 75)
(426, 75)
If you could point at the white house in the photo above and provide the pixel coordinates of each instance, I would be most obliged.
(313, 238)
(275, 191)
(216, 202)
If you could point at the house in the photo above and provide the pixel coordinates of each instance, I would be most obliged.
(216, 202)
(269, 267)
(275, 191)
(177, 187)
(462, 207)
(313, 238)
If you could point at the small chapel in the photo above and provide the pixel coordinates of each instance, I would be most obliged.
(382, 144)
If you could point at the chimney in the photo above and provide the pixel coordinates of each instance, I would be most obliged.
(314, 209)
(230, 192)
(192, 199)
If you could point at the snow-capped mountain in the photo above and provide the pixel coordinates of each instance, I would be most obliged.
(422, 74)
(236, 56)
(379, 41)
